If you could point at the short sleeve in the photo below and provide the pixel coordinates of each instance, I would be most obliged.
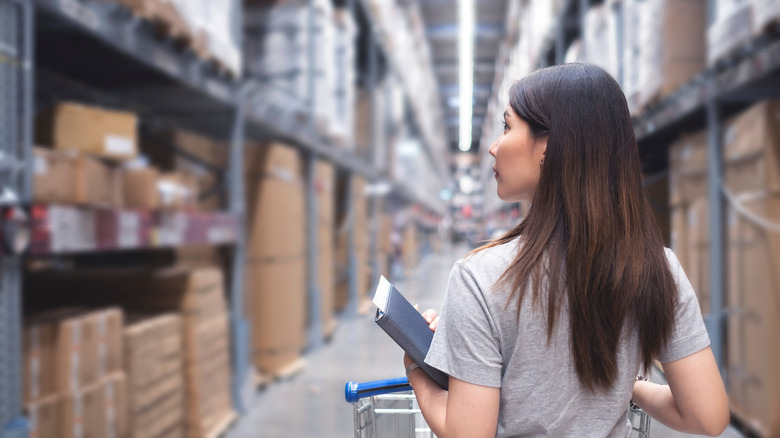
(690, 334)
(465, 344)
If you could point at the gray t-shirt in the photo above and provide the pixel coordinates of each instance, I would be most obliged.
(479, 340)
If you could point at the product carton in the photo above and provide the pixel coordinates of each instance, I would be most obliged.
(54, 176)
(140, 190)
(66, 350)
(97, 410)
(752, 185)
(45, 417)
(106, 133)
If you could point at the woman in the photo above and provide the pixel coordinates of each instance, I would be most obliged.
(544, 330)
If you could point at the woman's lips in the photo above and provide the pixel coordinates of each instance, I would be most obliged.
(495, 172)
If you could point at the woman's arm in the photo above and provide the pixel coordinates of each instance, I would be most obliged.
(466, 410)
(695, 400)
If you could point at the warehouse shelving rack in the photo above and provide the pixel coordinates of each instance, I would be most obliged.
(15, 132)
(745, 76)
(122, 57)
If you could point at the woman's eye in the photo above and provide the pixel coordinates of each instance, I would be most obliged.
(505, 125)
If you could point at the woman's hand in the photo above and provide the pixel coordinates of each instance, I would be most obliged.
(432, 318)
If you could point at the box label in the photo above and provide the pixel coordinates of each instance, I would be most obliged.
(35, 363)
(119, 145)
(78, 414)
(102, 349)
(75, 356)
(41, 166)
(110, 411)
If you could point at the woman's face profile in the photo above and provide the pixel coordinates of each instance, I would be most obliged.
(518, 159)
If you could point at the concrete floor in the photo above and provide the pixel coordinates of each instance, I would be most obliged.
(311, 403)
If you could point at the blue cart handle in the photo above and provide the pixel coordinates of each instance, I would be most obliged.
(354, 391)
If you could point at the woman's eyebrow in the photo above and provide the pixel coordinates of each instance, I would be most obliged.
(506, 114)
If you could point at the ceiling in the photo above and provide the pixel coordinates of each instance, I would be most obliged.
(441, 19)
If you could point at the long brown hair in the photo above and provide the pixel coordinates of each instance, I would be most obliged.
(590, 235)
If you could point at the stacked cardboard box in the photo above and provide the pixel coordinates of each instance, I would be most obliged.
(194, 157)
(689, 211)
(672, 46)
(276, 248)
(74, 385)
(752, 178)
(68, 177)
(410, 247)
(203, 25)
(326, 269)
(96, 131)
(384, 244)
(88, 143)
(198, 296)
(153, 362)
(352, 216)
(278, 50)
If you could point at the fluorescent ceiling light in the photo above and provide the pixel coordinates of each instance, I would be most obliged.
(466, 64)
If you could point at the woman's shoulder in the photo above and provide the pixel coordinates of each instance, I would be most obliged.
(494, 257)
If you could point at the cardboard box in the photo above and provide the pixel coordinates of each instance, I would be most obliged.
(272, 160)
(74, 348)
(325, 187)
(106, 133)
(139, 187)
(165, 418)
(672, 46)
(97, 410)
(688, 169)
(200, 158)
(98, 184)
(384, 235)
(177, 191)
(45, 417)
(54, 176)
(178, 144)
(197, 295)
(752, 176)
(275, 202)
(276, 308)
(697, 253)
(410, 250)
(66, 177)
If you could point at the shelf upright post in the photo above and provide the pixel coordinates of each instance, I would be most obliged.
(560, 34)
(16, 64)
(312, 272)
(243, 384)
(715, 320)
(584, 5)
(315, 334)
(376, 157)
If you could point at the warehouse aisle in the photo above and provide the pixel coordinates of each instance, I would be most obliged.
(311, 404)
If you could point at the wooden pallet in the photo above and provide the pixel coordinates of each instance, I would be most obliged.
(365, 307)
(744, 422)
(223, 425)
(264, 379)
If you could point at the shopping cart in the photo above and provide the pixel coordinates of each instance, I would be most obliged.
(388, 408)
